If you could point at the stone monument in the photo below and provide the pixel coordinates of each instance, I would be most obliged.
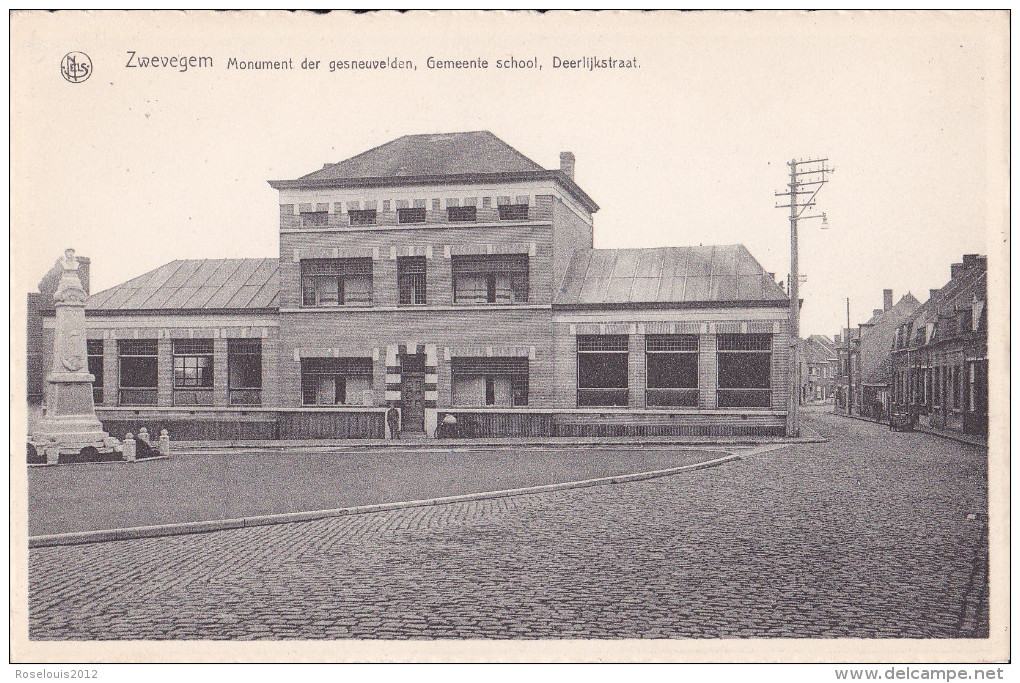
(70, 426)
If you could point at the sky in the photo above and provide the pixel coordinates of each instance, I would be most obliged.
(136, 167)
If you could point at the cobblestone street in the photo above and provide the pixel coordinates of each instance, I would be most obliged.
(867, 535)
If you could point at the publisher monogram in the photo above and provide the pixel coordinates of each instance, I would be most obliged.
(76, 67)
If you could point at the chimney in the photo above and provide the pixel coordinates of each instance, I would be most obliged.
(970, 260)
(932, 293)
(887, 299)
(83, 272)
(877, 312)
(955, 270)
(567, 164)
(835, 339)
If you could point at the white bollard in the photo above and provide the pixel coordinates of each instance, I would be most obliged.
(164, 442)
(128, 447)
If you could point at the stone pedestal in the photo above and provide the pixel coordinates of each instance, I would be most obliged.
(70, 425)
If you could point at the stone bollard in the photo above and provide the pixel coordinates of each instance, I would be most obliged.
(128, 447)
(143, 435)
(52, 454)
(164, 442)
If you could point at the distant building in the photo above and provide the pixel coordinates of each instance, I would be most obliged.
(444, 276)
(940, 353)
(870, 367)
(817, 358)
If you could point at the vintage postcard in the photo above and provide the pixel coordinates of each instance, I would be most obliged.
(509, 336)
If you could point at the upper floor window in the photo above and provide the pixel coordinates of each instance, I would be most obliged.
(314, 219)
(415, 215)
(362, 216)
(336, 282)
(513, 212)
(456, 214)
(490, 278)
(411, 280)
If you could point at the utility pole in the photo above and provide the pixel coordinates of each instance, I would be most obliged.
(849, 365)
(806, 179)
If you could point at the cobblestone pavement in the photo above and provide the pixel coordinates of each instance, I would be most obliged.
(865, 536)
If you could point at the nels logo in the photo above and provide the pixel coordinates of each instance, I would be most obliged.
(76, 67)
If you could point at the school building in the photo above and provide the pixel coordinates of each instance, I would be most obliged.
(442, 275)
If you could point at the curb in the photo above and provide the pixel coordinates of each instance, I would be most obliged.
(103, 536)
(919, 430)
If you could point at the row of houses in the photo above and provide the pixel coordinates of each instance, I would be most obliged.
(928, 360)
(818, 361)
(441, 278)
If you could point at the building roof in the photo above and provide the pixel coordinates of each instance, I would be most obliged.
(431, 154)
(476, 156)
(667, 276)
(196, 285)
(969, 284)
(876, 340)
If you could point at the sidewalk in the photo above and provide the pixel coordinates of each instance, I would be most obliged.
(969, 439)
(418, 445)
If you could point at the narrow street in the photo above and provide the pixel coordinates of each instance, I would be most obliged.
(868, 535)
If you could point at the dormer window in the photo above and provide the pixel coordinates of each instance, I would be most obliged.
(416, 215)
(461, 214)
(362, 216)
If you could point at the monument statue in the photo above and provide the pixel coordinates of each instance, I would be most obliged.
(70, 425)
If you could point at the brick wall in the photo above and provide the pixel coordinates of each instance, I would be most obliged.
(570, 235)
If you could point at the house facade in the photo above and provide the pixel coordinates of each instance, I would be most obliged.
(452, 279)
(940, 354)
(817, 358)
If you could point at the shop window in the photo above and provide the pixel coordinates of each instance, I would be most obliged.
(335, 381)
(411, 280)
(671, 363)
(336, 282)
(193, 372)
(244, 371)
(490, 278)
(745, 370)
(94, 351)
(415, 215)
(602, 371)
(138, 372)
(490, 381)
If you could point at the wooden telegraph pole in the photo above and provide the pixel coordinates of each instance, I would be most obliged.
(806, 179)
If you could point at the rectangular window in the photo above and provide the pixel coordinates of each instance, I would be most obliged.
(745, 370)
(138, 372)
(513, 212)
(193, 372)
(411, 280)
(489, 381)
(490, 278)
(244, 371)
(362, 216)
(336, 282)
(460, 214)
(314, 219)
(602, 372)
(94, 349)
(671, 363)
(416, 215)
(335, 381)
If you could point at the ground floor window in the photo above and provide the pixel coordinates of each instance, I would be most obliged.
(244, 371)
(335, 381)
(193, 372)
(671, 365)
(138, 363)
(602, 370)
(490, 381)
(94, 349)
(745, 370)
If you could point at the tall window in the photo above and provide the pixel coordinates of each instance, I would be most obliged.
(490, 381)
(335, 381)
(139, 372)
(336, 282)
(602, 373)
(671, 362)
(244, 371)
(193, 372)
(745, 370)
(493, 279)
(94, 349)
(411, 280)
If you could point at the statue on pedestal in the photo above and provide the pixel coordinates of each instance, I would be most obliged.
(70, 426)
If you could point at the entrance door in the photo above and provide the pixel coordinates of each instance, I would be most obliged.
(413, 398)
